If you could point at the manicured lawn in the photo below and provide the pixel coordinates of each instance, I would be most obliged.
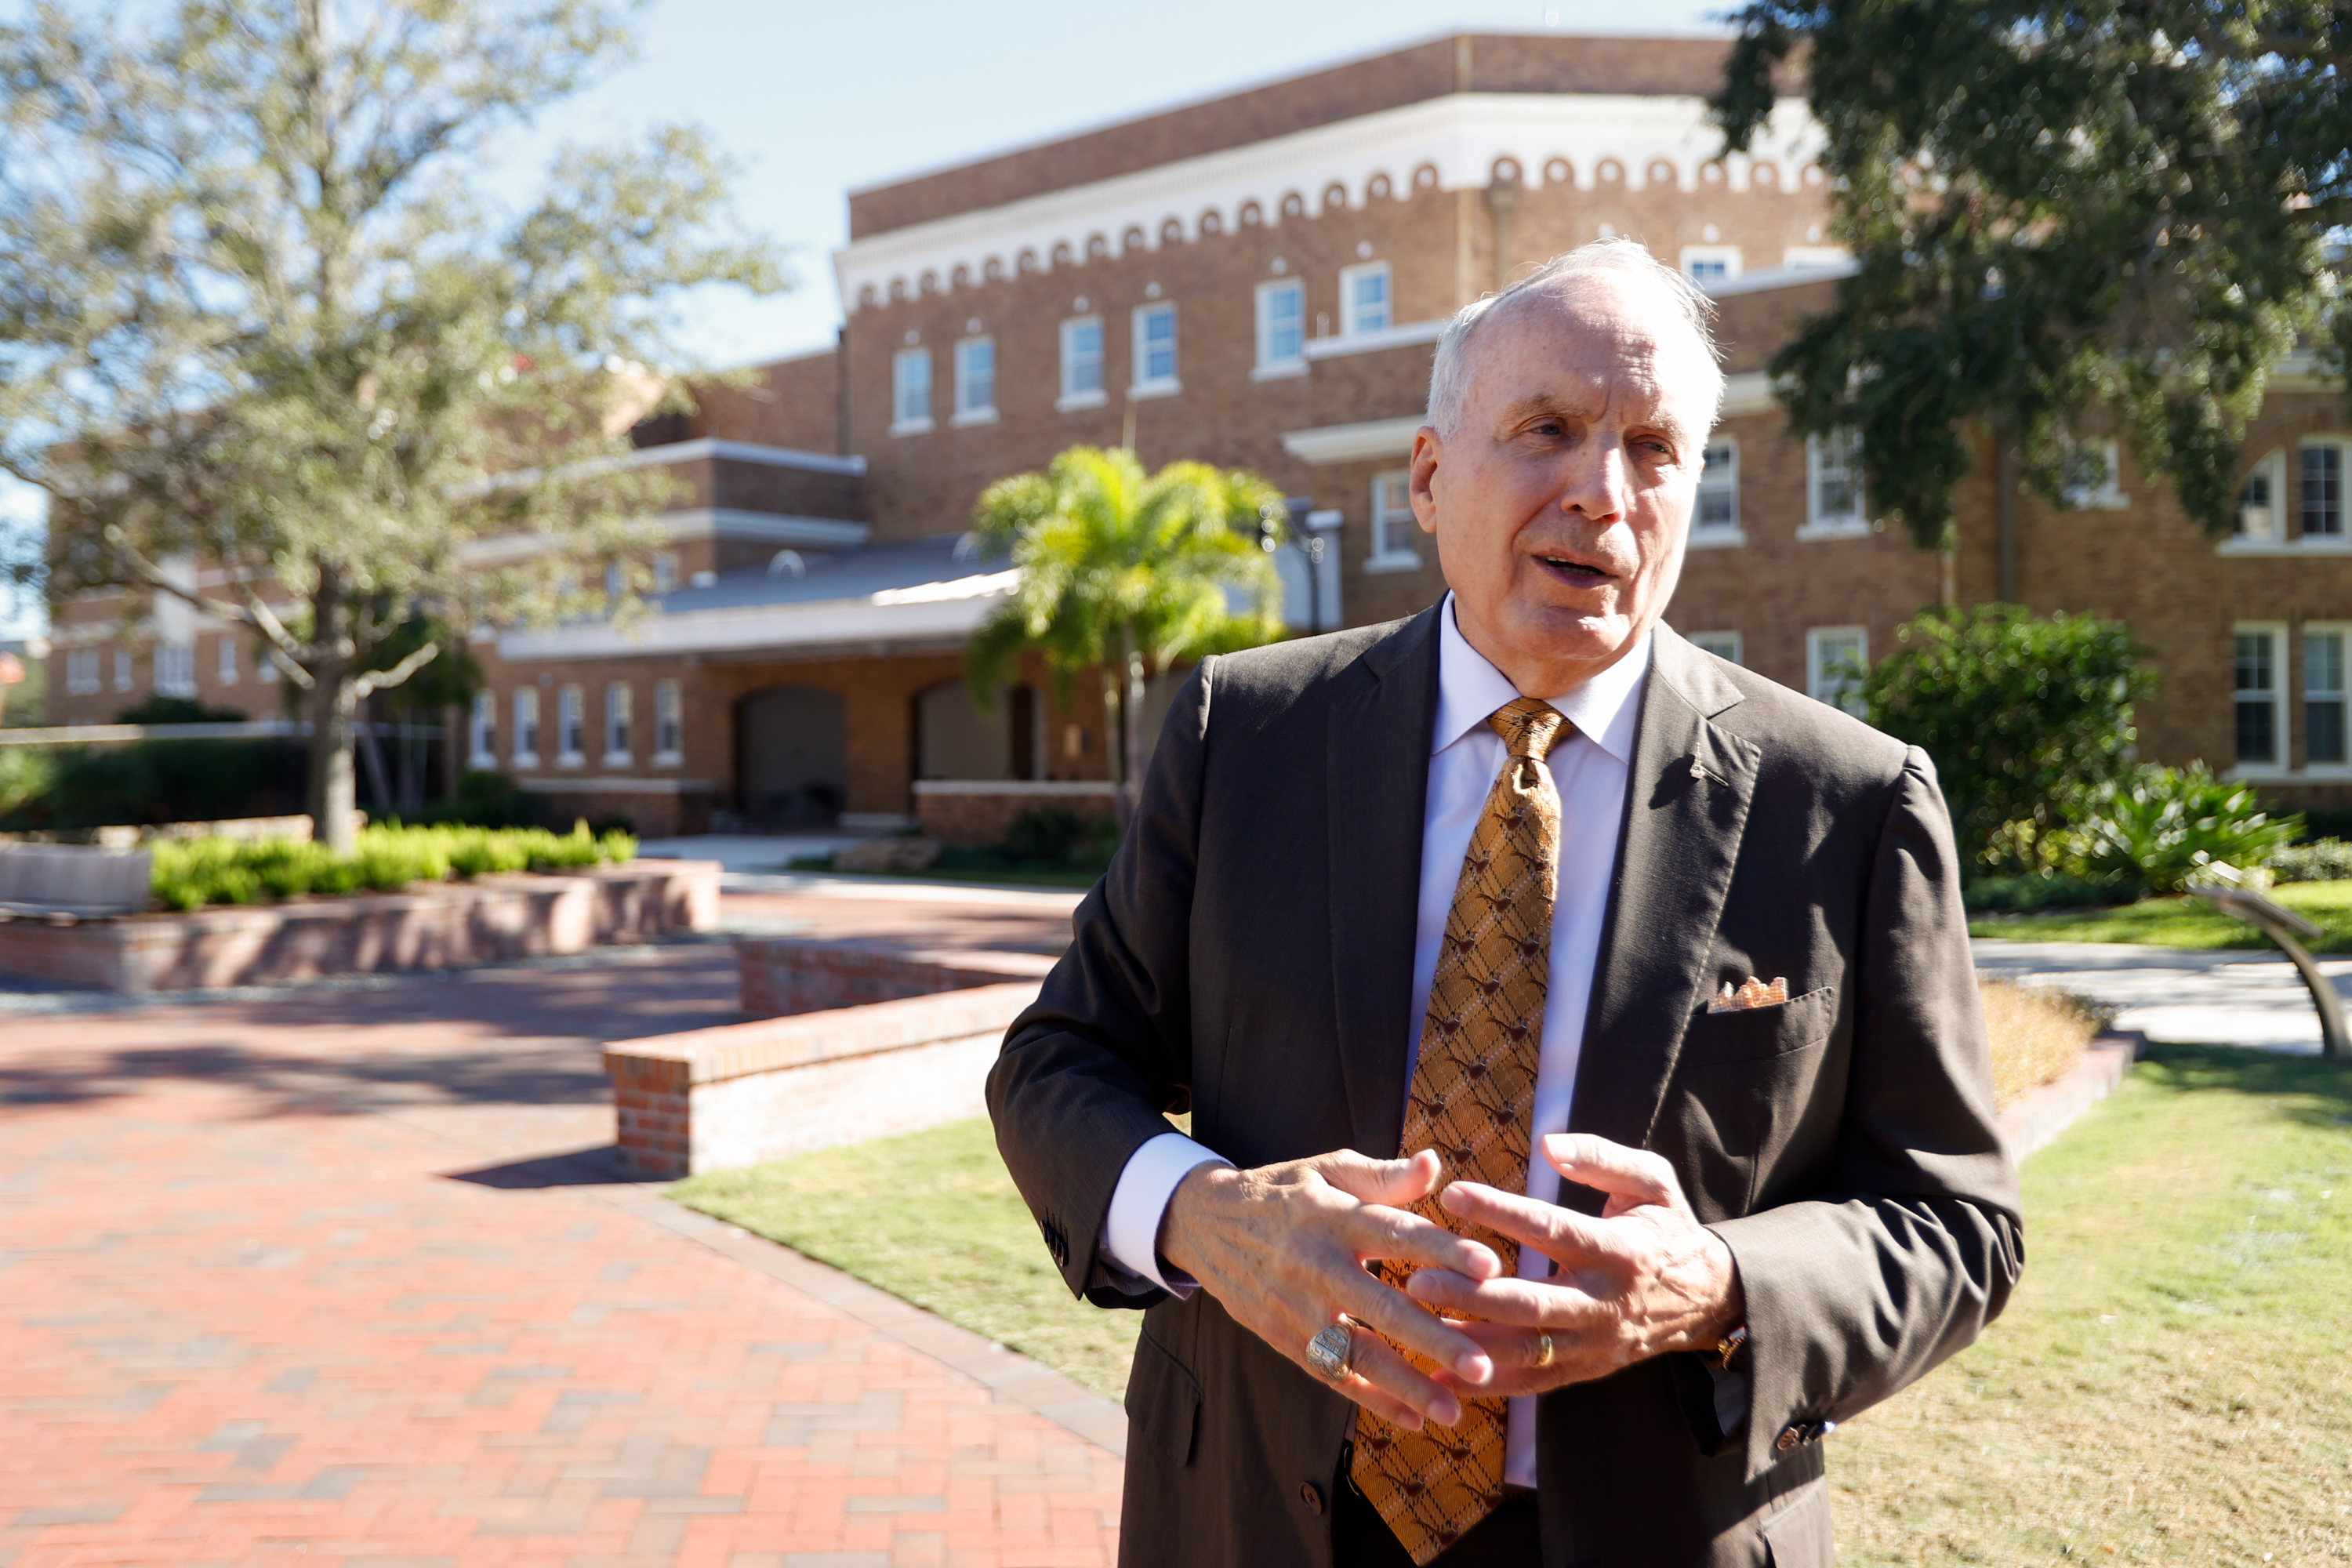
(2170, 1383)
(2184, 922)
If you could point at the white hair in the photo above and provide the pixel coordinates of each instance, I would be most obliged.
(1449, 375)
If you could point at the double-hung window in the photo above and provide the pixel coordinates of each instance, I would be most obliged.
(1833, 487)
(81, 671)
(1835, 659)
(1281, 327)
(1723, 645)
(620, 705)
(1364, 298)
(1394, 524)
(1716, 518)
(975, 380)
(2261, 500)
(910, 391)
(1082, 362)
(227, 667)
(1155, 350)
(483, 732)
(1708, 263)
(176, 669)
(2323, 490)
(570, 727)
(669, 724)
(124, 679)
(2324, 696)
(526, 727)
(2255, 695)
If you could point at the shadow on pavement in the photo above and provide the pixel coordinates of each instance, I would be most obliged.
(581, 1168)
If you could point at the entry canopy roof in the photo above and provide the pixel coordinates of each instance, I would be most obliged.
(916, 595)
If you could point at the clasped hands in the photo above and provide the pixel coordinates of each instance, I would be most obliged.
(1283, 1249)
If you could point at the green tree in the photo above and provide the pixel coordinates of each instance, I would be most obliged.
(255, 313)
(2072, 221)
(1123, 573)
(2023, 717)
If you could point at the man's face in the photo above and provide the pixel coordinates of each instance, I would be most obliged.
(1562, 500)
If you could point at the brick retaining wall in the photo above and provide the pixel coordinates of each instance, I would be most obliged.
(709, 1100)
(449, 925)
(978, 812)
(784, 975)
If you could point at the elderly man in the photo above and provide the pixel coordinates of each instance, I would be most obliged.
(1589, 1101)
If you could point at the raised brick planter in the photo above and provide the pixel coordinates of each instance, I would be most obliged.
(713, 1100)
(784, 975)
(447, 925)
(978, 811)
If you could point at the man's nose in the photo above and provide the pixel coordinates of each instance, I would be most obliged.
(1593, 480)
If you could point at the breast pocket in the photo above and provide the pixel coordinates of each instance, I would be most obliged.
(1752, 1033)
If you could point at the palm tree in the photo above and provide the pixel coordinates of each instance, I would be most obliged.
(1124, 573)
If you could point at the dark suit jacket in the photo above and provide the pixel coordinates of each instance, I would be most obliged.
(1250, 954)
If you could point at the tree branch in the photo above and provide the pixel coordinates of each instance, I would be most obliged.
(377, 679)
(219, 609)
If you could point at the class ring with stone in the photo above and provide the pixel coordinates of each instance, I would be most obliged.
(1330, 1351)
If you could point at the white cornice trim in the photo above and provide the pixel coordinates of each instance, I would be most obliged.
(1458, 136)
(930, 612)
(1747, 393)
(1404, 335)
(693, 524)
(711, 447)
(1782, 278)
(1364, 443)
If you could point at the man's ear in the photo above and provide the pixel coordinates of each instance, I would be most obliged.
(1423, 483)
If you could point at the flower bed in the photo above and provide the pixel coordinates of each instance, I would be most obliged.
(233, 871)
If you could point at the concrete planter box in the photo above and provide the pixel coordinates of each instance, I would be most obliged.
(447, 925)
(714, 1100)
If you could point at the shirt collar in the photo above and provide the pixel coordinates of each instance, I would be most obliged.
(1604, 710)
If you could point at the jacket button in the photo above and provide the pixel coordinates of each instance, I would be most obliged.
(1788, 1440)
(1312, 1496)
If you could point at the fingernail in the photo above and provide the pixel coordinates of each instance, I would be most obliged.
(1411, 1421)
(1475, 1367)
(1445, 1411)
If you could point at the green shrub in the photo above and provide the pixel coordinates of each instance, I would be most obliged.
(26, 773)
(2166, 827)
(2321, 860)
(1048, 835)
(190, 874)
(487, 799)
(2025, 895)
(2024, 719)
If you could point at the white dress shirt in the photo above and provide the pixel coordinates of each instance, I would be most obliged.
(1589, 768)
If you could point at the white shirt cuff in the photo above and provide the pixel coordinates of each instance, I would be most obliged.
(1129, 1244)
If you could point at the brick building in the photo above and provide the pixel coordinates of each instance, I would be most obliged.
(1258, 280)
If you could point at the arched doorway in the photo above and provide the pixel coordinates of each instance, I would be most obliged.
(792, 756)
(954, 740)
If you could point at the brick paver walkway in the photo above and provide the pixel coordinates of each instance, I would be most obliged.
(306, 1280)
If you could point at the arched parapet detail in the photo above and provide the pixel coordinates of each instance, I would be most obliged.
(993, 269)
(1172, 231)
(1335, 197)
(1379, 188)
(1131, 241)
(1062, 255)
(1252, 215)
(1293, 205)
(1210, 223)
(1559, 170)
(1097, 248)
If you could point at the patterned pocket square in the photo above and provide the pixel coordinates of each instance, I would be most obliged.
(1753, 995)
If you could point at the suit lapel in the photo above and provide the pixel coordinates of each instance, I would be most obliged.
(1687, 799)
(1377, 766)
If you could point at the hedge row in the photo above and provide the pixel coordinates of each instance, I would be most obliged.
(188, 876)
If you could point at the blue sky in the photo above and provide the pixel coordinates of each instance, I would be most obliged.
(814, 100)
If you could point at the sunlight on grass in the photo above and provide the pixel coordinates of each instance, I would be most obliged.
(2184, 922)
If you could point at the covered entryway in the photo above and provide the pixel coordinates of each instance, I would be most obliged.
(954, 740)
(791, 751)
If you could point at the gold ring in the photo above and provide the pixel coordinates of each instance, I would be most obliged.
(1543, 1351)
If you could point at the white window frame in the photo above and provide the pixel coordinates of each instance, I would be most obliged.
(124, 679)
(1720, 535)
(972, 407)
(1820, 685)
(910, 391)
(2263, 523)
(176, 669)
(2340, 695)
(2282, 743)
(526, 727)
(1815, 256)
(1271, 361)
(664, 571)
(620, 721)
(669, 724)
(264, 664)
(225, 669)
(482, 731)
(1395, 530)
(1354, 321)
(1817, 526)
(1167, 385)
(82, 677)
(2108, 494)
(1726, 256)
(2343, 450)
(1074, 395)
(572, 726)
(1727, 644)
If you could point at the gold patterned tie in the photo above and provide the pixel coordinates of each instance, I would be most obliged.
(1474, 1090)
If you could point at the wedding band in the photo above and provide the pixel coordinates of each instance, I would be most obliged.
(1330, 1351)
(1543, 1351)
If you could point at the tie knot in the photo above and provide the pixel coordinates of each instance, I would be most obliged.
(1528, 727)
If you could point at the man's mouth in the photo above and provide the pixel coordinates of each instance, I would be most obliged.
(1574, 572)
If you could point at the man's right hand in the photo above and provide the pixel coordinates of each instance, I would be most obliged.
(1283, 1249)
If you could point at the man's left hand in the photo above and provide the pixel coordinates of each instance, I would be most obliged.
(1643, 1279)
